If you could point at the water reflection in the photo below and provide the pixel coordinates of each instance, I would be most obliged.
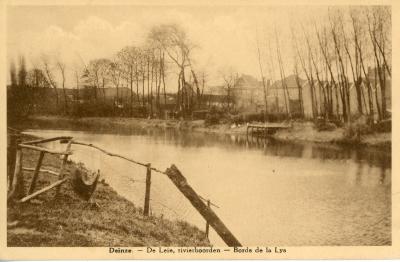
(372, 156)
(288, 193)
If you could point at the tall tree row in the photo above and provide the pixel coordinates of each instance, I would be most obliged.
(345, 60)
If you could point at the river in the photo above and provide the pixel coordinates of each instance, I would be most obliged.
(267, 192)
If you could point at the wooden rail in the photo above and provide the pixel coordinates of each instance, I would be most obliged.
(40, 141)
(17, 188)
(51, 172)
(46, 150)
(58, 183)
(180, 182)
(198, 202)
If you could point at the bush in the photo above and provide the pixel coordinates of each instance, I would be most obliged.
(356, 130)
(323, 125)
(19, 103)
(92, 108)
(213, 117)
(383, 126)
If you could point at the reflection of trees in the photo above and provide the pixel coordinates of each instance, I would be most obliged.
(374, 157)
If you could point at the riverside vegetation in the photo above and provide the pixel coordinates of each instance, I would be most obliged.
(301, 131)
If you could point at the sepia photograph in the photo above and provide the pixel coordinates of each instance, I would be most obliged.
(198, 129)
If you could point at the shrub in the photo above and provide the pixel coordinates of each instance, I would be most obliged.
(323, 125)
(92, 108)
(356, 130)
(383, 126)
(214, 117)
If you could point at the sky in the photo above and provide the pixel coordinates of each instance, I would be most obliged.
(225, 37)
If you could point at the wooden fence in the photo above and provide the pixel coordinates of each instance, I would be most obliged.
(202, 205)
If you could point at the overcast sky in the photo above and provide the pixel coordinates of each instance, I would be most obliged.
(225, 36)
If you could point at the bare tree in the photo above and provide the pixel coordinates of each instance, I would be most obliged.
(48, 70)
(61, 66)
(341, 66)
(286, 97)
(378, 19)
(129, 58)
(115, 74)
(307, 72)
(175, 43)
(230, 78)
(262, 78)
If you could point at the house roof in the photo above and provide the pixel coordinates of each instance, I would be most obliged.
(290, 82)
(247, 81)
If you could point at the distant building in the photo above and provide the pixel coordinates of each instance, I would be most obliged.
(374, 79)
(248, 93)
(219, 90)
(277, 94)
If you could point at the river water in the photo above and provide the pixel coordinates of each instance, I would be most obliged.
(267, 192)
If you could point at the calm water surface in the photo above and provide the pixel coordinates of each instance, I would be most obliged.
(268, 193)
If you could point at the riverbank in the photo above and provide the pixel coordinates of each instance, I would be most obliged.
(300, 131)
(70, 221)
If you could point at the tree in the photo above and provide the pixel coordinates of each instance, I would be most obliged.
(129, 58)
(230, 78)
(19, 96)
(37, 79)
(286, 97)
(379, 25)
(97, 72)
(115, 74)
(48, 70)
(262, 78)
(175, 43)
(341, 66)
(61, 67)
(308, 72)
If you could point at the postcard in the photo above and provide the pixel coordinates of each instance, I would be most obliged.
(199, 130)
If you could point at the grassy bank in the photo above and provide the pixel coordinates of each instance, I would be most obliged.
(300, 131)
(307, 132)
(70, 221)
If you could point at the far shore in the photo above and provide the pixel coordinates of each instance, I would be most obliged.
(301, 131)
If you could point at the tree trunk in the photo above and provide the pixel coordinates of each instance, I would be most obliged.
(131, 85)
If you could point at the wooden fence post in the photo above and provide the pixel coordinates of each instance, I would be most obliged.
(63, 164)
(17, 187)
(147, 196)
(180, 182)
(36, 173)
(208, 224)
(11, 156)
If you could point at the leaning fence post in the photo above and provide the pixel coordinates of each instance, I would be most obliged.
(36, 173)
(208, 214)
(208, 224)
(147, 196)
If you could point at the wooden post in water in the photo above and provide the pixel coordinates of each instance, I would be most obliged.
(208, 224)
(147, 196)
(180, 182)
(36, 173)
